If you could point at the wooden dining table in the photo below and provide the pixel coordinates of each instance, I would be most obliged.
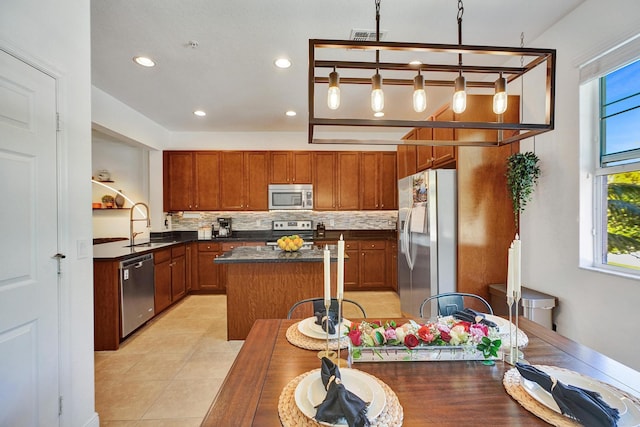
(461, 393)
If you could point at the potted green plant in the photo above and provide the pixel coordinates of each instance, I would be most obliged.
(107, 199)
(522, 176)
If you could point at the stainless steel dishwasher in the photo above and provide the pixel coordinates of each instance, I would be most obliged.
(136, 292)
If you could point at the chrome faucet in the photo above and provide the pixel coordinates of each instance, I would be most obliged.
(133, 235)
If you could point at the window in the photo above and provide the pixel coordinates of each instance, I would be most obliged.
(617, 222)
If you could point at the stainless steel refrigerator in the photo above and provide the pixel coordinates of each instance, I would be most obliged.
(427, 223)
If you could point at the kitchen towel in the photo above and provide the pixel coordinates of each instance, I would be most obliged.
(585, 406)
(339, 402)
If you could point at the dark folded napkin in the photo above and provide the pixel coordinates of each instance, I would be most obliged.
(470, 315)
(326, 322)
(339, 402)
(585, 406)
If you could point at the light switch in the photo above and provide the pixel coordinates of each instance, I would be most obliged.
(82, 247)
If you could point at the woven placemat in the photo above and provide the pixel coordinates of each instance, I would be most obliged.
(512, 384)
(391, 416)
(297, 338)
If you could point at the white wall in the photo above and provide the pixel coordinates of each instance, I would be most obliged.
(129, 169)
(595, 309)
(56, 37)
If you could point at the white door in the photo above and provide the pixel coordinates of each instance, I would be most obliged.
(29, 366)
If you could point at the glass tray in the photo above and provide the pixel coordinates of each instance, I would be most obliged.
(418, 354)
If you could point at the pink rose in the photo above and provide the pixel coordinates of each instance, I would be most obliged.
(411, 341)
(390, 333)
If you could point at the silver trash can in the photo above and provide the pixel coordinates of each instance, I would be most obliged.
(534, 305)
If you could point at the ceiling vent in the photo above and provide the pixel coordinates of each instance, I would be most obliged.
(366, 35)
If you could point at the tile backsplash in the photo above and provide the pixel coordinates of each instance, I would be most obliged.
(245, 221)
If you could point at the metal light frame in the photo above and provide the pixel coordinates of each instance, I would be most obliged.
(539, 58)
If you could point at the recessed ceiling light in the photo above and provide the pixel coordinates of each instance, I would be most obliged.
(199, 113)
(379, 114)
(144, 61)
(415, 62)
(291, 113)
(282, 63)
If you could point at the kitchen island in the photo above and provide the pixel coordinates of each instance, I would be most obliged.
(263, 283)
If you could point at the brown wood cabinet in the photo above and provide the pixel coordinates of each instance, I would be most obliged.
(324, 181)
(485, 221)
(373, 264)
(407, 156)
(348, 190)
(392, 265)
(170, 276)
(444, 154)
(290, 167)
(352, 266)
(244, 177)
(238, 180)
(337, 180)
(378, 178)
(191, 180)
(162, 272)
(208, 278)
(424, 153)
(484, 207)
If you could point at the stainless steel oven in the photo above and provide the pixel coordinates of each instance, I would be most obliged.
(290, 196)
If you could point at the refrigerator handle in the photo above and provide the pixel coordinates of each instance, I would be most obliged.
(405, 241)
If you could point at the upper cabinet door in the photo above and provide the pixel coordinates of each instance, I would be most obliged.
(256, 181)
(232, 180)
(407, 156)
(369, 172)
(424, 152)
(178, 181)
(348, 180)
(301, 167)
(207, 180)
(280, 162)
(324, 180)
(388, 198)
(290, 167)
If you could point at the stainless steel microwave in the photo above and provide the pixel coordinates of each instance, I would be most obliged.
(290, 196)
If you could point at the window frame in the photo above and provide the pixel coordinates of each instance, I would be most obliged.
(603, 169)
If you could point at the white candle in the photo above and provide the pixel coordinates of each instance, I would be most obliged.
(327, 276)
(340, 268)
(517, 282)
(510, 272)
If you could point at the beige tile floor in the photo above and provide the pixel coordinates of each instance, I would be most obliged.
(168, 373)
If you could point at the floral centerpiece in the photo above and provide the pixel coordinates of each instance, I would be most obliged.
(445, 338)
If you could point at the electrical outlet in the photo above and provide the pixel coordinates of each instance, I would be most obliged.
(258, 222)
(332, 222)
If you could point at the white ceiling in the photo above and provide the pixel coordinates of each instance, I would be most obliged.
(231, 74)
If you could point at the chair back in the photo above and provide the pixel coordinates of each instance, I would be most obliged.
(450, 302)
(350, 308)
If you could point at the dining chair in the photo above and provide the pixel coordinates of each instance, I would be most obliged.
(450, 302)
(353, 309)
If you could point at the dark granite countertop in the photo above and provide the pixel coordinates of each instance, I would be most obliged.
(120, 250)
(261, 254)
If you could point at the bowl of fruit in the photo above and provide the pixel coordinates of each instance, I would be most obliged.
(290, 243)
